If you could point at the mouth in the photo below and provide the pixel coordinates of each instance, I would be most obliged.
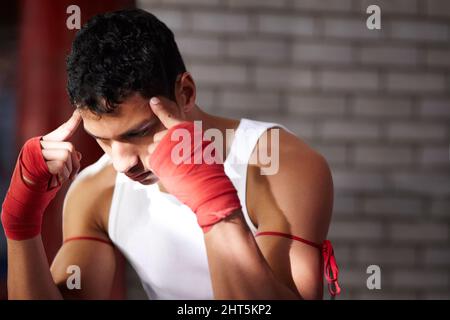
(142, 176)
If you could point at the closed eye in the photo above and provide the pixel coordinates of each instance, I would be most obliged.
(140, 134)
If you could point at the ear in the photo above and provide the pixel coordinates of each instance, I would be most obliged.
(185, 92)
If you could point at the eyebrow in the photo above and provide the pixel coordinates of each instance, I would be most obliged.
(136, 129)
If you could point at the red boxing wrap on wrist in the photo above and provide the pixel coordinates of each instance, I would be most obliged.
(203, 187)
(25, 204)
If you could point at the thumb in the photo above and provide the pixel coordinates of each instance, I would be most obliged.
(162, 110)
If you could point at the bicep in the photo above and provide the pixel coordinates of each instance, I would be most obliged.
(94, 261)
(95, 264)
(301, 203)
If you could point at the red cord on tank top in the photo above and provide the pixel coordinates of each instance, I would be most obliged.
(330, 267)
(88, 238)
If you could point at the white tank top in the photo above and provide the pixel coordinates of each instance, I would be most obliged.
(160, 236)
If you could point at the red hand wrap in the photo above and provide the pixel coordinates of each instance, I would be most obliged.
(24, 205)
(205, 188)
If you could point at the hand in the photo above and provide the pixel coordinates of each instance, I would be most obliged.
(62, 160)
(204, 188)
(44, 163)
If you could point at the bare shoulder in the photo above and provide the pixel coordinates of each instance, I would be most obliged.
(298, 189)
(87, 204)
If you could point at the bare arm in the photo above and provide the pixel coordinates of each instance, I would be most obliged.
(298, 201)
(29, 275)
(28, 271)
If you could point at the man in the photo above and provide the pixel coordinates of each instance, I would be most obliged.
(191, 229)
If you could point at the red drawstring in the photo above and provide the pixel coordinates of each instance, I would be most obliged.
(330, 267)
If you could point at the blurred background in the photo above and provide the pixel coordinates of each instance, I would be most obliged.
(375, 103)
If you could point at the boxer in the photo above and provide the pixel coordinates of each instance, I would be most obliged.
(190, 229)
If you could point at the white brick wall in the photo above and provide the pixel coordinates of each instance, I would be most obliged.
(376, 104)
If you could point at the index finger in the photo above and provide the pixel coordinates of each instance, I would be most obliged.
(163, 109)
(66, 130)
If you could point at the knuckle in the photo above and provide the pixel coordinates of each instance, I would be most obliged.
(59, 167)
(70, 147)
(66, 155)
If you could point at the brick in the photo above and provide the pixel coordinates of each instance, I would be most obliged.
(349, 130)
(437, 257)
(174, 19)
(209, 21)
(257, 50)
(434, 156)
(334, 154)
(349, 28)
(419, 279)
(439, 8)
(382, 107)
(255, 101)
(383, 156)
(316, 105)
(407, 207)
(286, 25)
(416, 131)
(256, 4)
(389, 55)
(389, 7)
(438, 57)
(323, 5)
(383, 294)
(194, 46)
(352, 278)
(352, 180)
(416, 82)
(343, 254)
(206, 100)
(418, 232)
(345, 205)
(397, 256)
(282, 77)
(212, 3)
(435, 107)
(422, 183)
(437, 295)
(302, 128)
(322, 52)
(419, 31)
(348, 80)
(355, 231)
(441, 208)
(207, 74)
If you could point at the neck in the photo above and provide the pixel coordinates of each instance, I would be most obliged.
(211, 121)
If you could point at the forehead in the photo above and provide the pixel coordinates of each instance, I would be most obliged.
(132, 111)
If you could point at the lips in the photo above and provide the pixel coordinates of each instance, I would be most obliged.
(140, 176)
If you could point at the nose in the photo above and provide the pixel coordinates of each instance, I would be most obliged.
(124, 156)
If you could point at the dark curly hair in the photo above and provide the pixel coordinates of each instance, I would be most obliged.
(120, 53)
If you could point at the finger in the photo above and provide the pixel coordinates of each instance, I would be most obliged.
(58, 145)
(58, 154)
(66, 130)
(58, 178)
(164, 113)
(53, 182)
(57, 167)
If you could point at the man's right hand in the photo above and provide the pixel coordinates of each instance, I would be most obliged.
(43, 165)
(62, 160)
